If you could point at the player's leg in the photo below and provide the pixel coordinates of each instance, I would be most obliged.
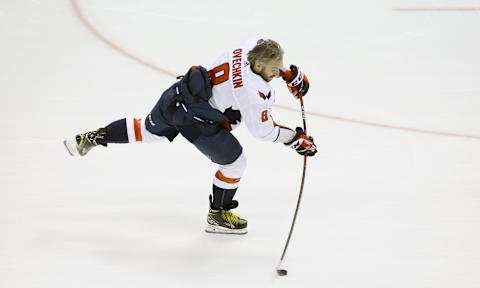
(225, 184)
(126, 130)
(224, 149)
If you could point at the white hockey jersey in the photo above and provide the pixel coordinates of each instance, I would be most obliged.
(235, 85)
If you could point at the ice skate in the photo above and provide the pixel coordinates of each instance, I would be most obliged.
(84, 142)
(224, 221)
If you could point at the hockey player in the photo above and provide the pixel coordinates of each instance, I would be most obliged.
(204, 106)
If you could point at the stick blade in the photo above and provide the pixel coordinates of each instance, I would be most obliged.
(280, 270)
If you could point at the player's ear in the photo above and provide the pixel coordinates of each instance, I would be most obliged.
(258, 66)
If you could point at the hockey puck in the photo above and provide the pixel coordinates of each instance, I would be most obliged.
(282, 272)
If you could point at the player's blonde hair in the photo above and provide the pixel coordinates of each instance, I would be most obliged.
(264, 51)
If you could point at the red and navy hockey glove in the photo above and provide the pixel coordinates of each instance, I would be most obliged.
(302, 143)
(297, 81)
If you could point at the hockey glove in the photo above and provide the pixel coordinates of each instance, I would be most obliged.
(234, 118)
(297, 82)
(302, 143)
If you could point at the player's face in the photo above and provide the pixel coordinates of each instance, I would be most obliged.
(271, 70)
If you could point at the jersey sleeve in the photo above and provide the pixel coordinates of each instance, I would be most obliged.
(256, 115)
(259, 122)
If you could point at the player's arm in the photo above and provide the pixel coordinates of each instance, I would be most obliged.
(266, 129)
(260, 124)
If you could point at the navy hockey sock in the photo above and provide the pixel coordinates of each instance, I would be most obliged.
(222, 197)
(117, 132)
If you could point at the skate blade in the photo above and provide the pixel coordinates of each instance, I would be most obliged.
(71, 147)
(222, 230)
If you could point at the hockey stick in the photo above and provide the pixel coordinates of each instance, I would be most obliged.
(281, 271)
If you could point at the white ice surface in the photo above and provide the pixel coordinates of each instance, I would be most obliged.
(381, 207)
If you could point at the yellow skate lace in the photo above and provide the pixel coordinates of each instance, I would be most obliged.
(90, 138)
(231, 218)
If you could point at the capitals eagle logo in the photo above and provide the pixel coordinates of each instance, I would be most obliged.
(265, 97)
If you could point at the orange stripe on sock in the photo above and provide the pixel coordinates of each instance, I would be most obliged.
(138, 130)
(225, 179)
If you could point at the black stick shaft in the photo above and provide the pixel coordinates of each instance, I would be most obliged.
(301, 185)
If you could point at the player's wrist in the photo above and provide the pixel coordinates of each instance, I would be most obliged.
(285, 135)
(296, 134)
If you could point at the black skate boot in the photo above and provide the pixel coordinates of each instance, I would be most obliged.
(222, 220)
(85, 141)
